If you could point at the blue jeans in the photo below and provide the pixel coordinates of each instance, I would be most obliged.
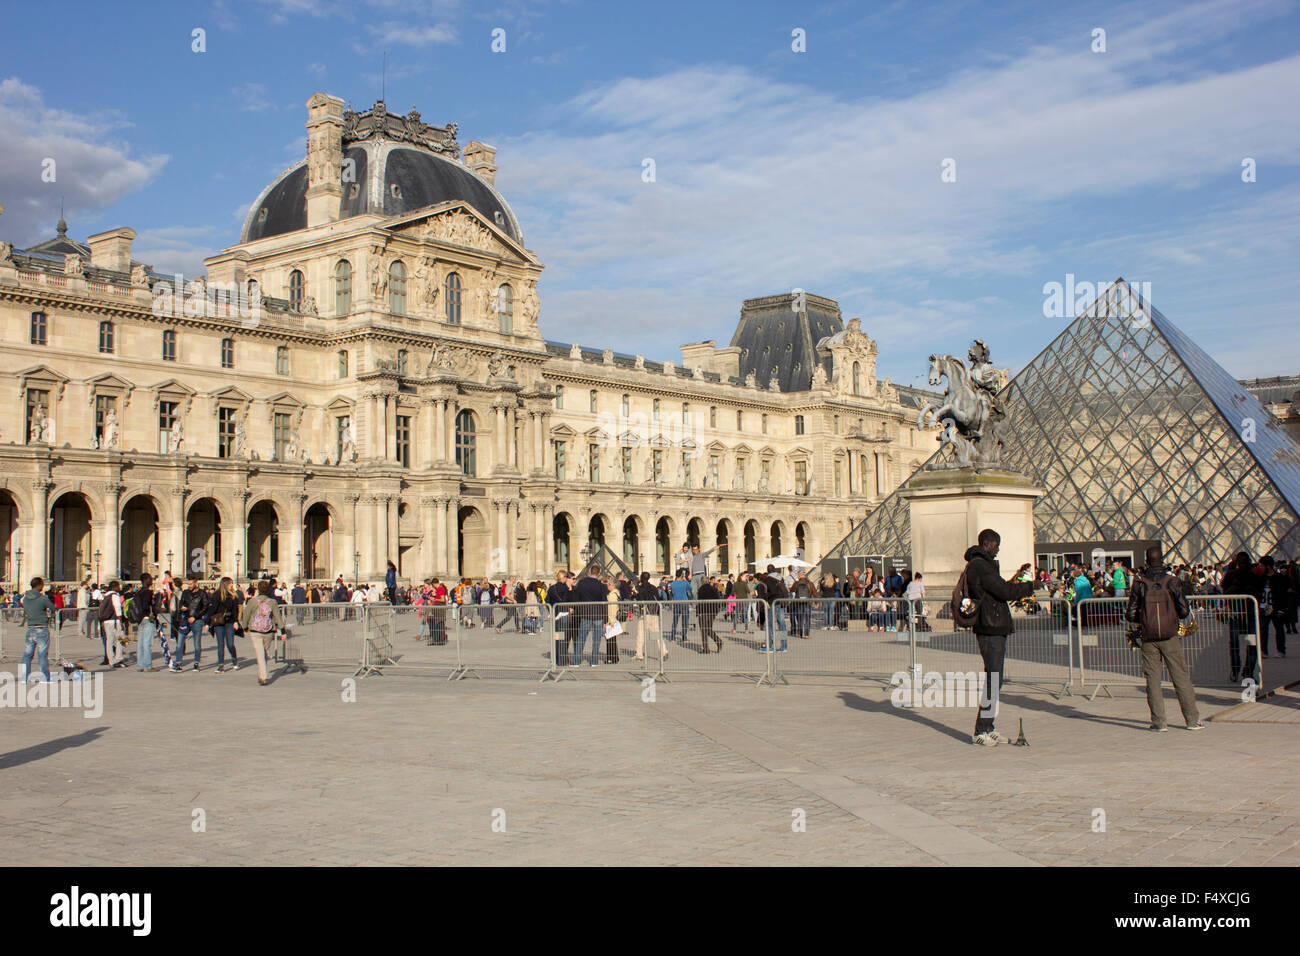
(38, 640)
(594, 625)
(225, 635)
(681, 612)
(776, 621)
(144, 634)
(188, 630)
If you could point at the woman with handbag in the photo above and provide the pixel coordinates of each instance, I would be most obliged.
(647, 596)
(613, 626)
(223, 612)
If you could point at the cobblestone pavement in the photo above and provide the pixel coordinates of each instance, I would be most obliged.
(714, 771)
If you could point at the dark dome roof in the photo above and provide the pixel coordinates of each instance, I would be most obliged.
(391, 179)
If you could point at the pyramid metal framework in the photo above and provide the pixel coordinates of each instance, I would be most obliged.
(1135, 433)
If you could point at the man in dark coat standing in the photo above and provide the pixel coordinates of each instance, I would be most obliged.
(992, 625)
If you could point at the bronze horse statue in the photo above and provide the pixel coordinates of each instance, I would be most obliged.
(969, 414)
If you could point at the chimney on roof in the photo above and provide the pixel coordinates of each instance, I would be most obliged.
(324, 158)
(481, 158)
(112, 249)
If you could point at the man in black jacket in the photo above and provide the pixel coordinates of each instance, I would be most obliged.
(706, 610)
(1240, 580)
(594, 595)
(1157, 604)
(992, 624)
(193, 611)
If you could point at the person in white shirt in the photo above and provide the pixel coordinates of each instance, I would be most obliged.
(915, 594)
(85, 621)
(359, 595)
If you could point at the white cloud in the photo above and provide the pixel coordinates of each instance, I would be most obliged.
(393, 32)
(92, 170)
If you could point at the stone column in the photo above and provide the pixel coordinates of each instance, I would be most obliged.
(539, 540)
(394, 539)
(500, 463)
(512, 439)
(293, 559)
(548, 455)
(428, 434)
(453, 537)
(429, 540)
(440, 538)
(111, 559)
(181, 560)
(36, 559)
(450, 430)
(352, 539)
(503, 531)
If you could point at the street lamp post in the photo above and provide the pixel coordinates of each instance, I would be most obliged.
(169, 561)
(238, 556)
(356, 568)
(18, 570)
(299, 565)
(97, 556)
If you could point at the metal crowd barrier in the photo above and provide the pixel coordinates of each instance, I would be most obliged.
(327, 635)
(1223, 652)
(873, 637)
(658, 639)
(459, 640)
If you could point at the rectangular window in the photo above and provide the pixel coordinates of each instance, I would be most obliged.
(225, 433)
(764, 424)
(593, 461)
(686, 469)
(40, 327)
(343, 363)
(765, 475)
(655, 412)
(740, 420)
(227, 353)
(713, 472)
(713, 416)
(658, 466)
(166, 422)
(625, 453)
(839, 481)
(593, 400)
(103, 405)
(740, 472)
(280, 435)
(837, 424)
(627, 406)
(106, 337)
(401, 361)
(38, 407)
(801, 477)
(282, 360)
(404, 440)
(169, 345)
(559, 459)
(798, 424)
(686, 413)
(559, 396)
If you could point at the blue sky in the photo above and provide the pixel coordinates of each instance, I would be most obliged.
(774, 169)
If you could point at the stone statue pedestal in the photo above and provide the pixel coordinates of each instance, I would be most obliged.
(949, 509)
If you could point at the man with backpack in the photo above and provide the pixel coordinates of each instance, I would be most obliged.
(980, 602)
(1157, 604)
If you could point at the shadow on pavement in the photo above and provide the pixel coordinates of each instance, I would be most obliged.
(16, 758)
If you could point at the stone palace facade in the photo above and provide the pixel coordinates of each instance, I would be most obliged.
(363, 378)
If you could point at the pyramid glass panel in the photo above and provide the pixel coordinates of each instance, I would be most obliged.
(1134, 433)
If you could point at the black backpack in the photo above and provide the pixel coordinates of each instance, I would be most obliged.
(1159, 609)
(961, 594)
(141, 606)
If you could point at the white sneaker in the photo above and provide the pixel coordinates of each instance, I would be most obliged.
(984, 740)
(998, 738)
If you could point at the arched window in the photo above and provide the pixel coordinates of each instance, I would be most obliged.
(343, 287)
(451, 298)
(106, 337)
(857, 379)
(397, 288)
(465, 443)
(343, 363)
(505, 309)
(295, 290)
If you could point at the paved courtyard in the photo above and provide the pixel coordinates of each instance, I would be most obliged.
(714, 771)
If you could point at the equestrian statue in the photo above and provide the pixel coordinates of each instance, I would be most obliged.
(972, 415)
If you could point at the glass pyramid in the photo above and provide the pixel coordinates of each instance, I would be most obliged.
(1135, 433)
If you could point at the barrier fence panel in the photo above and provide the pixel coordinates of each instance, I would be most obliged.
(505, 637)
(1222, 652)
(868, 637)
(317, 634)
(715, 636)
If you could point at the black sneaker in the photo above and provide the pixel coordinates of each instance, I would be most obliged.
(196, 666)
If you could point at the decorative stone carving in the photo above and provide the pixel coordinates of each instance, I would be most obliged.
(308, 305)
(446, 358)
(697, 372)
(774, 383)
(496, 364)
(176, 437)
(6, 251)
(529, 307)
(575, 352)
(241, 439)
(426, 282)
(640, 363)
(607, 357)
(110, 430)
(819, 376)
(72, 266)
(377, 122)
(460, 228)
(139, 277)
(751, 379)
(669, 369)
